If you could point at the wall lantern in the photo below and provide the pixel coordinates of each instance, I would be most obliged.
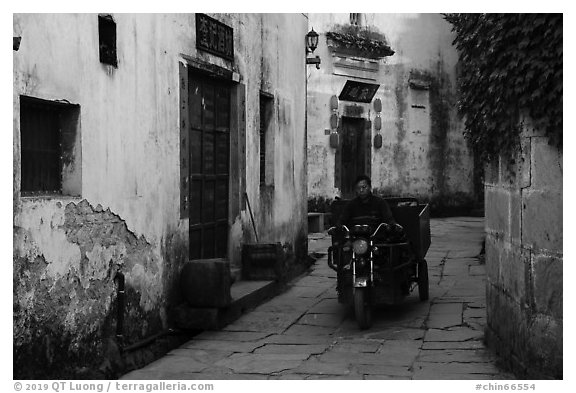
(311, 45)
(312, 40)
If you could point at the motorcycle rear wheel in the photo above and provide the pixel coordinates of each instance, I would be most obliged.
(362, 309)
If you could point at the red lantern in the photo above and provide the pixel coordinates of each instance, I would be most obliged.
(378, 123)
(378, 105)
(334, 103)
(377, 141)
(334, 121)
(334, 140)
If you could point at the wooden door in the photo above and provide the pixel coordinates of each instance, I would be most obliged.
(209, 104)
(353, 154)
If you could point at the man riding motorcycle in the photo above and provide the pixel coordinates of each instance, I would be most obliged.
(375, 261)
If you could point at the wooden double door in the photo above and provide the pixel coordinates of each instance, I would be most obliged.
(209, 171)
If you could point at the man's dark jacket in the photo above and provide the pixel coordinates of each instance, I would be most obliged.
(372, 206)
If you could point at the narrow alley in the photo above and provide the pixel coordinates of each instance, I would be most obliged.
(173, 173)
(305, 334)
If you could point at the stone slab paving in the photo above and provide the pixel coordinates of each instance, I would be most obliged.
(287, 304)
(445, 315)
(356, 346)
(262, 363)
(449, 345)
(311, 349)
(304, 333)
(264, 321)
(231, 336)
(222, 345)
(314, 366)
(382, 369)
(295, 339)
(327, 320)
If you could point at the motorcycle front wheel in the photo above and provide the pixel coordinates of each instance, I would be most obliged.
(362, 309)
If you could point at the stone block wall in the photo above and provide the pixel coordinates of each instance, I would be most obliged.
(524, 257)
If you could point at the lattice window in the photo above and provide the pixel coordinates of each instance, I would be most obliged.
(50, 147)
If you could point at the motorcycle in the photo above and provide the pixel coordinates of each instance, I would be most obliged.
(381, 264)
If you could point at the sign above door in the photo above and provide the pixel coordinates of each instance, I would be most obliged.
(214, 36)
(358, 91)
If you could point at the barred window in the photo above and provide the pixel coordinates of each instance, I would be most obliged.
(50, 147)
(355, 19)
(107, 40)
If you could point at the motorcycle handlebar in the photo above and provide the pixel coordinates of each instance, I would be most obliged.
(377, 229)
(383, 224)
(332, 229)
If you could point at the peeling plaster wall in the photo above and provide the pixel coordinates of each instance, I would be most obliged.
(67, 250)
(424, 153)
(524, 257)
(65, 262)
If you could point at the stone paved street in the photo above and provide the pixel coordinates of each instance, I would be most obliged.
(305, 334)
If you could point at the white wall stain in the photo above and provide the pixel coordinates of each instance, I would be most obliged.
(45, 237)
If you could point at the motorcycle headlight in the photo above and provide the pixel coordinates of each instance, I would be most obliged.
(360, 246)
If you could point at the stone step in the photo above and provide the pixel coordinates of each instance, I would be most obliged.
(245, 296)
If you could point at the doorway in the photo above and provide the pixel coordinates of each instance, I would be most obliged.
(353, 154)
(209, 175)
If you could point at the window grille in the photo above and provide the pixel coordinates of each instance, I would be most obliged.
(48, 147)
(355, 19)
(107, 40)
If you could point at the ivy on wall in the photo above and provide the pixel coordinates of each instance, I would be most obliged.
(508, 64)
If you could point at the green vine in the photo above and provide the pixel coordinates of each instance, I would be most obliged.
(508, 64)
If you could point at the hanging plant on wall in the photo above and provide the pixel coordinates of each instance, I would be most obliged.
(508, 64)
(359, 41)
